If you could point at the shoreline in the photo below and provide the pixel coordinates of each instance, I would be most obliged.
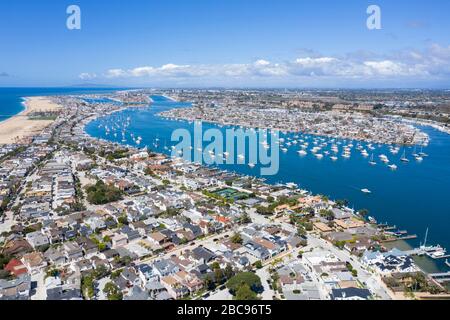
(23, 103)
(18, 128)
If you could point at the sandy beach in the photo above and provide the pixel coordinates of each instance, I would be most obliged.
(18, 127)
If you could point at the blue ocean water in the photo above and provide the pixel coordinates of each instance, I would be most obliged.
(11, 98)
(413, 197)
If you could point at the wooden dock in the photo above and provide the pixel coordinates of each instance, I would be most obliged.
(410, 237)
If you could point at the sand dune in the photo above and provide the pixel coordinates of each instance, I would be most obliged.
(19, 127)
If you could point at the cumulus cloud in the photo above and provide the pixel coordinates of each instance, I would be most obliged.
(434, 61)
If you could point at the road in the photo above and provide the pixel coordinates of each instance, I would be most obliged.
(264, 274)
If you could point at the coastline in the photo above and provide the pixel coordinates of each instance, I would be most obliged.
(18, 128)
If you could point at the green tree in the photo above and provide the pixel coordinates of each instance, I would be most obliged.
(249, 278)
(228, 271)
(112, 291)
(245, 293)
(236, 238)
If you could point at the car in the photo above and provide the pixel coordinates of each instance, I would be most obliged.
(206, 295)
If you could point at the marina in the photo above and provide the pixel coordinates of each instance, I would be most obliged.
(395, 195)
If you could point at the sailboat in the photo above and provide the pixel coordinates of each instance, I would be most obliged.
(421, 153)
(403, 158)
(372, 161)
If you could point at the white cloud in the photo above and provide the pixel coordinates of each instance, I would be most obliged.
(87, 76)
(431, 62)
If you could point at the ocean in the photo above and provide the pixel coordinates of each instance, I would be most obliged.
(11, 98)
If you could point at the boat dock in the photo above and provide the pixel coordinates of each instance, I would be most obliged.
(441, 277)
(435, 252)
(410, 237)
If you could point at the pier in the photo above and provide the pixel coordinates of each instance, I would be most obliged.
(410, 237)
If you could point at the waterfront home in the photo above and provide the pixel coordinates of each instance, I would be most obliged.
(322, 227)
(386, 263)
(348, 223)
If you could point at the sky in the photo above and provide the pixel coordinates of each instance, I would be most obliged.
(226, 43)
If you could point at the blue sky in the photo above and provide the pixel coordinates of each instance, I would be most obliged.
(286, 43)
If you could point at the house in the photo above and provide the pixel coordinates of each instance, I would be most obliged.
(55, 256)
(119, 240)
(130, 233)
(34, 262)
(17, 247)
(257, 250)
(137, 294)
(351, 294)
(131, 277)
(72, 251)
(146, 273)
(358, 246)
(322, 227)
(348, 223)
(386, 263)
(16, 267)
(17, 289)
(165, 267)
(158, 238)
(203, 255)
(174, 287)
(88, 246)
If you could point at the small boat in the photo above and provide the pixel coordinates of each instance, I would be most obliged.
(392, 167)
(334, 158)
(302, 152)
(319, 156)
(403, 158)
(372, 162)
(367, 191)
(251, 165)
